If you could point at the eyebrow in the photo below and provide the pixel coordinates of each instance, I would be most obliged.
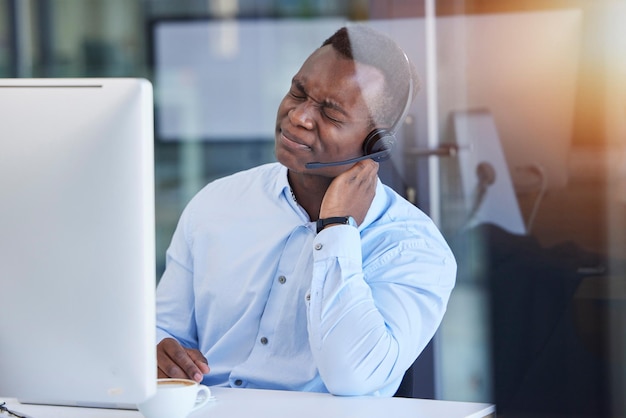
(327, 103)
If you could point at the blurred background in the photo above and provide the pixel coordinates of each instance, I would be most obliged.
(516, 147)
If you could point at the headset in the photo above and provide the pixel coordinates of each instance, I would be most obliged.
(379, 142)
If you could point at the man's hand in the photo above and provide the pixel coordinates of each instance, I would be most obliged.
(351, 193)
(176, 361)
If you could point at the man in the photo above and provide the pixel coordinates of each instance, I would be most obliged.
(274, 299)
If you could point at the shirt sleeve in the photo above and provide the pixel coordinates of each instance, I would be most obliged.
(174, 294)
(368, 324)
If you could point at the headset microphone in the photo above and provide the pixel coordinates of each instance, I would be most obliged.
(378, 143)
(377, 156)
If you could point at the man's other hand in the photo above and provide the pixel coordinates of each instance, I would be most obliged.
(178, 362)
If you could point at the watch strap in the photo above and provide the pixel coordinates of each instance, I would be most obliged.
(323, 223)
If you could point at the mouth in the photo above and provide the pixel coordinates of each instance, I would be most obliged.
(291, 141)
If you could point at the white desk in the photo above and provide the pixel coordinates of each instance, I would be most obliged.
(254, 403)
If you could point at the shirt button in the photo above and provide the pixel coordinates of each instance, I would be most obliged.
(308, 296)
(263, 340)
(318, 246)
(238, 382)
(282, 279)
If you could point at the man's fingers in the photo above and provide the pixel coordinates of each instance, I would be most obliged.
(200, 361)
(175, 361)
(351, 193)
(168, 358)
(167, 367)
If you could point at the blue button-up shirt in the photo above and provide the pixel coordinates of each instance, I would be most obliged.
(271, 304)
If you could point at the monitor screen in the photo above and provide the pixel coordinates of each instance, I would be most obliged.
(77, 241)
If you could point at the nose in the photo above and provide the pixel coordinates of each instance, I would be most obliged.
(300, 115)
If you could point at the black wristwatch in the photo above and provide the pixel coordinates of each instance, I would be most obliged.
(344, 220)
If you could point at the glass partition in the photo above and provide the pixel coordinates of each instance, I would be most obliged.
(534, 98)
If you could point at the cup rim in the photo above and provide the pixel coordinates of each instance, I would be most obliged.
(177, 379)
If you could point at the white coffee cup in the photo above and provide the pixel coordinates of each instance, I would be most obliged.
(175, 398)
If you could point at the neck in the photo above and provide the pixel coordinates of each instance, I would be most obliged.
(309, 191)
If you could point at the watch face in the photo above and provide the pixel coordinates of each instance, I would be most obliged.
(351, 221)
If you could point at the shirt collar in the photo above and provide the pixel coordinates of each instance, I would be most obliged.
(281, 184)
(378, 206)
(282, 190)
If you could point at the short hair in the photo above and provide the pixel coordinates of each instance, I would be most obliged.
(366, 45)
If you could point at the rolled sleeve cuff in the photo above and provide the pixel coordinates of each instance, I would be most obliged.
(339, 241)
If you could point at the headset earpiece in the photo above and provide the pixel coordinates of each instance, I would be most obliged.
(380, 142)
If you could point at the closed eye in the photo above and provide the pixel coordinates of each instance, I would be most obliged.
(297, 90)
(296, 95)
(330, 115)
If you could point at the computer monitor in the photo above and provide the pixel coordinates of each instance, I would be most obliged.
(77, 262)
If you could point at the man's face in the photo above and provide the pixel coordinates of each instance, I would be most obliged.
(324, 116)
